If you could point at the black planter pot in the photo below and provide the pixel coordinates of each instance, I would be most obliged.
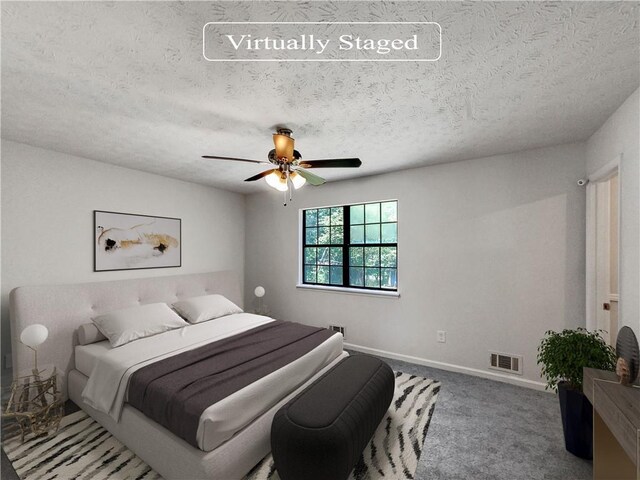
(577, 421)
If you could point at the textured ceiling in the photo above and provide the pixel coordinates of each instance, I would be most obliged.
(126, 83)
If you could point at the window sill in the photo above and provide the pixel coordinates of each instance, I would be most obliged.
(351, 291)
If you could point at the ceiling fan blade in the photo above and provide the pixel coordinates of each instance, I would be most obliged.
(233, 158)
(312, 178)
(260, 175)
(332, 163)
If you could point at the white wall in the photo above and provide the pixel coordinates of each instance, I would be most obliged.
(490, 250)
(620, 134)
(48, 200)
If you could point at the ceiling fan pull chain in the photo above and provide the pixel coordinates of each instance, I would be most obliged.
(284, 202)
(290, 185)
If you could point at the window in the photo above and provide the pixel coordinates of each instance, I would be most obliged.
(353, 246)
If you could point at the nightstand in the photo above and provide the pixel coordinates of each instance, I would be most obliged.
(33, 404)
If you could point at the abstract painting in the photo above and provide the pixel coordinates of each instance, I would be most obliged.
(125, 241)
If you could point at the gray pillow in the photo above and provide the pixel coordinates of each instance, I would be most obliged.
(89, 333)
(129, 324)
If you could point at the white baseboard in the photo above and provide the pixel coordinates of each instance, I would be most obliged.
(521, 382)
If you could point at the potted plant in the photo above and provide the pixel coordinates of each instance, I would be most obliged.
(563, 356)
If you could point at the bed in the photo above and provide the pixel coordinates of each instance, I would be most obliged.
(233, 435)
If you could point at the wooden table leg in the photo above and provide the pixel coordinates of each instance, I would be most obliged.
(610, 462)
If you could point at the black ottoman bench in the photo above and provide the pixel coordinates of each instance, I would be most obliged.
(321, 433)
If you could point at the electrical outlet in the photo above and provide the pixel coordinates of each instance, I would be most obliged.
(442, 336)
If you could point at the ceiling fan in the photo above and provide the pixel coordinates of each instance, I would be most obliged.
(288, 167)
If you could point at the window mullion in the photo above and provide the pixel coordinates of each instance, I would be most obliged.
(346, 237)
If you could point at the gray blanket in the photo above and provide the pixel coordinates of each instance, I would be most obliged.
(175, 391)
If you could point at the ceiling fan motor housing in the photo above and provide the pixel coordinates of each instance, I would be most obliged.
(271, 156)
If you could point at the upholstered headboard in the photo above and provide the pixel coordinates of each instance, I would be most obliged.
(63, 308)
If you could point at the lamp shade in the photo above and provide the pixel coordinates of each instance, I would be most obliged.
(34, 335)
(259, 292)
(275, 180)
(284, 146)
(297, 180)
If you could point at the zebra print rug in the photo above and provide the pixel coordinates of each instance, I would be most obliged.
(82, 449)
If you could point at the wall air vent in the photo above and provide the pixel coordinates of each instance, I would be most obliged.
(505, 362)
(337, 328)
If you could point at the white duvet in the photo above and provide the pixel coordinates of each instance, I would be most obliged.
(106, 388)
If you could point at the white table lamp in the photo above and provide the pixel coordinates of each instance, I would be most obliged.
(32, 337)
(259, 293)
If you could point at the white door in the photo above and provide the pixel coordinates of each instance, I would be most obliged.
(602, 253)
(614, 196)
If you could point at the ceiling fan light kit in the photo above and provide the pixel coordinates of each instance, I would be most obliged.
(297, 180)
(290, 170)
(277, 180)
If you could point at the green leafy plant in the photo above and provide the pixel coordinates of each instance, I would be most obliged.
(564, 354)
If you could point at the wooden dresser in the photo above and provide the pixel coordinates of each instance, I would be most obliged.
(616, 426)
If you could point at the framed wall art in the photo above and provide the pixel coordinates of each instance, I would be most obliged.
(126, 241)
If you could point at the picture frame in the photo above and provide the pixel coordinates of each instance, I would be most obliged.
(130, 241)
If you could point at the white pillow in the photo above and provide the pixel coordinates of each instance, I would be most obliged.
(207, 307)
(129, 324)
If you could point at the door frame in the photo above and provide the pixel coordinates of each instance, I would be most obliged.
(591, 293)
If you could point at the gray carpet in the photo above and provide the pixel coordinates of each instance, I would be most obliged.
(484, 430)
